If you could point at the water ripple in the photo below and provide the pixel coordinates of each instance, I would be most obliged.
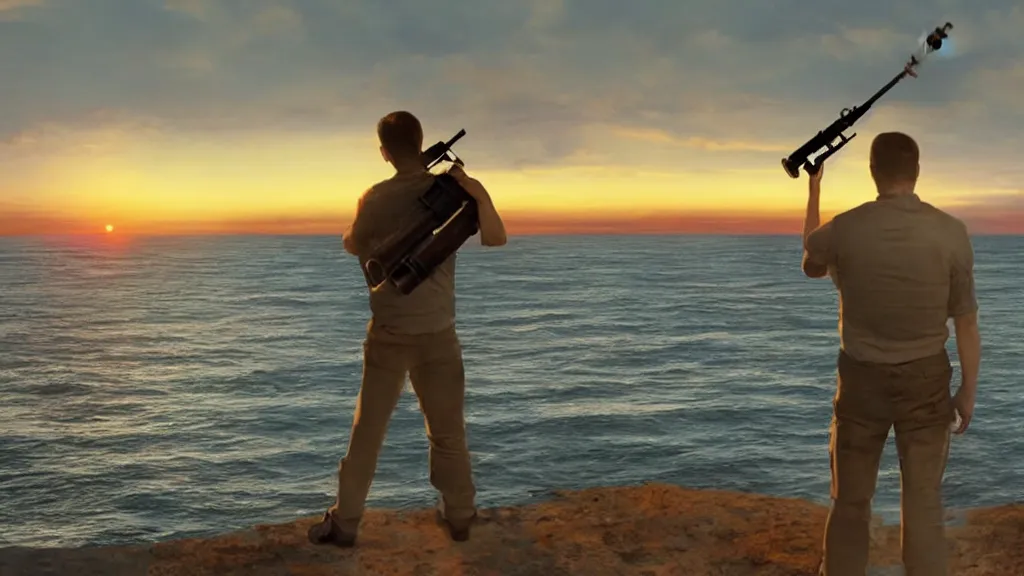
(174, 387)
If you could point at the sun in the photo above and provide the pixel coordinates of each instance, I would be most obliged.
(110, 228)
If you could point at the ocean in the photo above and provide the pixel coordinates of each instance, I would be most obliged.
(157, 388)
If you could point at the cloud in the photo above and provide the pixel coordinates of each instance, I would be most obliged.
(11, 10)
(1003, 204)
(662, 137)
(12, 4)
(101, 133)
(534, 82)
(197, 9)
(710, 223)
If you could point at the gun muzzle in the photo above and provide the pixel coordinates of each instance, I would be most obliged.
(792, 164)
(792, 167)
(934, 40)
(433, 155)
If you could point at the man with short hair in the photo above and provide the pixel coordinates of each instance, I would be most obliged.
(902, 268)
(410, 334)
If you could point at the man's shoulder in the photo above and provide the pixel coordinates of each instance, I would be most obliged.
(946, 219)
(862, 209)
(399, 185)
(375, 190)
(855, 213)
(404, 181)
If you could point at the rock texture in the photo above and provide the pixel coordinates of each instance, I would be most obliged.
(652, 530)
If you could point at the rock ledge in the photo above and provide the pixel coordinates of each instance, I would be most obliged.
(649, 530)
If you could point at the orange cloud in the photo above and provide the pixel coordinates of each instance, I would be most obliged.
(679, 223)
(1006, 224)
(23, 222)
(993, 214)
(517, 223)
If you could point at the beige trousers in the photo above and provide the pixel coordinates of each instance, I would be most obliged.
(434, 365)
(872, 398)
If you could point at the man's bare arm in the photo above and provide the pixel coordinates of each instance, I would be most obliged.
(492, 229)
(968, 348)
(350, 238)
(816, 240)
(963, 308)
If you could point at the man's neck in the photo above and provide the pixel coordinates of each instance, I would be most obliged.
(408, 167)
(896, 190)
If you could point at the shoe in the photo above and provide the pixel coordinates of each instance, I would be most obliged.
(459, 530)
(327, 532)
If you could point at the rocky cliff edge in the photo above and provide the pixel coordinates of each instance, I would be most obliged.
(650, 530)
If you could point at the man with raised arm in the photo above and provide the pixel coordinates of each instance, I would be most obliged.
(410, 334)
(902, 268)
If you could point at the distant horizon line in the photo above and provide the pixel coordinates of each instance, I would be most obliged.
(546, 225)
(511, 235)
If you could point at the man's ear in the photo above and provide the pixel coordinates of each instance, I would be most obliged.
(384, 154)
(917, 172)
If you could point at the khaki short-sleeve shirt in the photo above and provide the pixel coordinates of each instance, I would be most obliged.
(384, 210)
(902, 268)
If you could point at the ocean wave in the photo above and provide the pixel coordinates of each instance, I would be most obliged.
(174, 387)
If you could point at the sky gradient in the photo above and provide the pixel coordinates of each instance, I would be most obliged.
(205, 116)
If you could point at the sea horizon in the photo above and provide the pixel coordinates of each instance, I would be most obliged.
(115, 235)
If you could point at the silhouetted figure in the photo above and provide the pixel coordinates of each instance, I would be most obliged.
(902, 268)
(410, 334)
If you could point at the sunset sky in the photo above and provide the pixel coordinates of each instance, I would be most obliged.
(199, 116)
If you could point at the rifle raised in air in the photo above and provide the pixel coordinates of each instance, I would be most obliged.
(848, 116)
